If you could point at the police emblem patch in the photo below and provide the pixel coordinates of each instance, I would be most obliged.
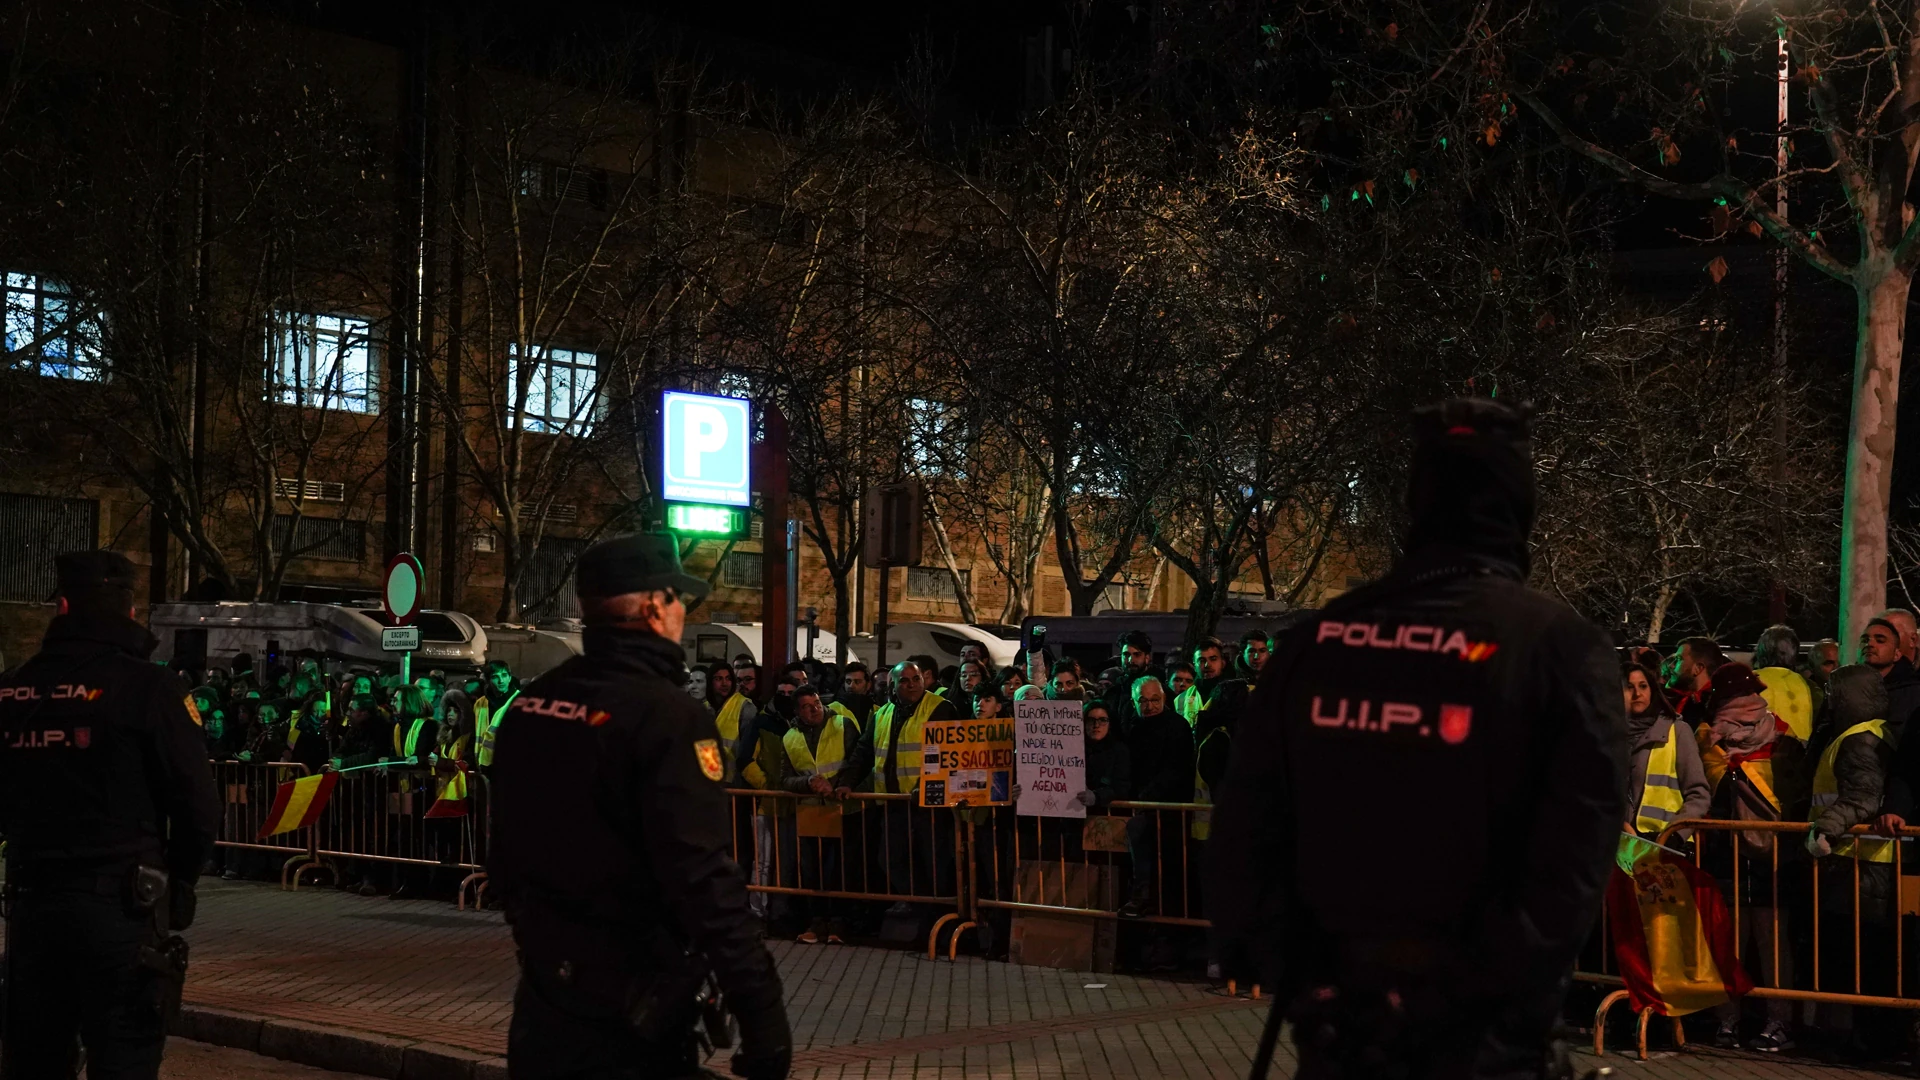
(708, 751)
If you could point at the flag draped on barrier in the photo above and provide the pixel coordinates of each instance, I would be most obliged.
(297, 804)
(1672, 935)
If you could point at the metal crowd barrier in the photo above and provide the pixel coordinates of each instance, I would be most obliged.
(373, 815)
(888, 849)
(246, 797)
(1787, 909)
(1066, 866)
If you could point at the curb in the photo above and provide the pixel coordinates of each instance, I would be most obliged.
(335, 1048)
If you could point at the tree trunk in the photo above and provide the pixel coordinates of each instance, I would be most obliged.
(1882, 291)
(1657, 621)
(961, 592)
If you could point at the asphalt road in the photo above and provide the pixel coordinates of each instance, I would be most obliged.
(188, 1060)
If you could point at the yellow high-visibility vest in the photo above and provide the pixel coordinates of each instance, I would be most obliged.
(1661, 800)
(1790, 698)
(1826, 792)
(1188, 704)
(487, 724)
(1202, 825)
(906, 769)
(728, 721)
(840, 710)
(827, 758)
(409, 746)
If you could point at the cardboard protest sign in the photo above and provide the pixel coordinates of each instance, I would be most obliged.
(1052, 764)
(966, 763)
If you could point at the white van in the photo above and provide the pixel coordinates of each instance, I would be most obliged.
(708, 642)
(532, 651)
(940, 640)
(200, 635)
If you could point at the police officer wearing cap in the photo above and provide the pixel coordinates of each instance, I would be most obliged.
(610, 847)
(108, 808)
(1426, 794)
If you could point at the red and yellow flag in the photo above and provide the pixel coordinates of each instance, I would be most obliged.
(1672, 936)
(450, 799)
(298, 803)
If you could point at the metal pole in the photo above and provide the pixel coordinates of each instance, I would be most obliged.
(793, 590)
(880, 629)
(1777, 598)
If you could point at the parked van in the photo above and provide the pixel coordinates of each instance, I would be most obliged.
(1091, 639)
(200, 635)
(532, 651)
(940, 640)
(708, 642)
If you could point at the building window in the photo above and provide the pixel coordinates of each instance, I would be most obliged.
(934, 583)
(321, 361)
(320, 538)
(741, 570)
(33, 529)
(45, 334)
(562, 390)
(548, 181)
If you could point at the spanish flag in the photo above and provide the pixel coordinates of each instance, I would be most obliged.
(450, 800)
(298, 803)
(1672, 936)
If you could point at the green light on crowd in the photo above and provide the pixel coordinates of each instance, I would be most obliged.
(706, 520)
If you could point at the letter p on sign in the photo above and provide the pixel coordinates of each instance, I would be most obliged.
(706, 445)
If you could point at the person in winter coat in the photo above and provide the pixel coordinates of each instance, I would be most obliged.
(1662, 749)
(1109, 765)
(1160, 744)
(1849, 788)
(1758, 772)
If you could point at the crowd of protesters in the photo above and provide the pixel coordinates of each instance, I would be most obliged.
(1792, 736)
(1157, 729)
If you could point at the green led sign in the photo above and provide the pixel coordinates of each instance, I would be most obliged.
(706, 520)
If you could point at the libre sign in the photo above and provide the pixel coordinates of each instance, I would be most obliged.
(707, 442)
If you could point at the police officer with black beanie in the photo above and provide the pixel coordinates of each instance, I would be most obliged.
(610, 847)
(108, 808)
(1426, 790)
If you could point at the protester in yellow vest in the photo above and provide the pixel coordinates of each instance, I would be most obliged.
(734, 713)
(816, 749)
(489, 708)
(887, 760)
(1666, 781)
(1849, 786)
(1758, 772)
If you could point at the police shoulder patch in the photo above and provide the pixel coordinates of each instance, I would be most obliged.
(708, 751)
(193, 712)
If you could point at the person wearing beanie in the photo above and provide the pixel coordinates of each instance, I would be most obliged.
(1469, 729)
(611, 841)
(109, 812)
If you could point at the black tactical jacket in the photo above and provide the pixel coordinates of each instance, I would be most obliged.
(611, 827)
(102, 761)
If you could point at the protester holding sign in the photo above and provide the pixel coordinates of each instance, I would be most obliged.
(1052, 759)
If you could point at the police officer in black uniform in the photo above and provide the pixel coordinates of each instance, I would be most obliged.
(109, 811)
(610, 847)
(1425, 793)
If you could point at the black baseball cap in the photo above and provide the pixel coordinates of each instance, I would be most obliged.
(83, 573)
(628, 564)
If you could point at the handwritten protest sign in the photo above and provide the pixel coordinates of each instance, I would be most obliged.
(1052, 758)
(966, 763)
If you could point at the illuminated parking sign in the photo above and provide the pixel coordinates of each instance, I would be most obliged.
(706, 443)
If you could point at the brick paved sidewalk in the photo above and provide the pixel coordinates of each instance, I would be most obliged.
(422, 970)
